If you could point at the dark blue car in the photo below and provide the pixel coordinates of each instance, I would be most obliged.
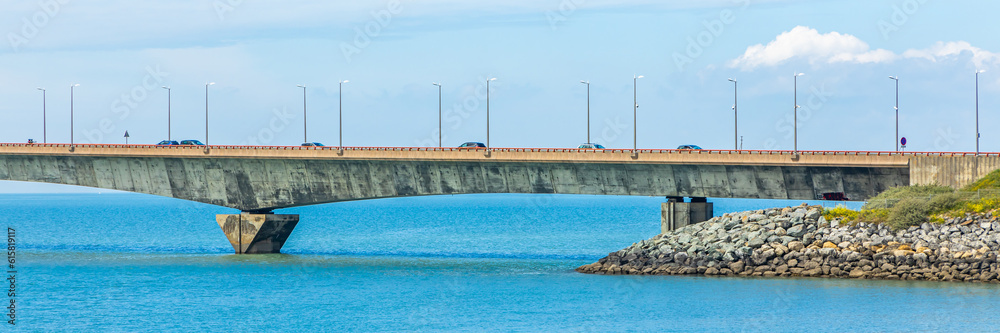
(472, 145)
(191, 143)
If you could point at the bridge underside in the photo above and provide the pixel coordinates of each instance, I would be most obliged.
(258, 186)
(262, 185)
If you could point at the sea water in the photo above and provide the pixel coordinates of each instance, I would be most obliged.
(497, 262)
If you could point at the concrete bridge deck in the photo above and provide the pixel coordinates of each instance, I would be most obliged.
(258, 180)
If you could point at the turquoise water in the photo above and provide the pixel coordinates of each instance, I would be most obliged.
(130, 262)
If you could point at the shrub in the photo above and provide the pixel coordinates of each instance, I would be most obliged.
(908, 213)
(981, 206)
(841, 212)
(944, 202)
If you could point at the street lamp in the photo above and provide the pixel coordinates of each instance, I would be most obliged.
(305, 127)
(977, 109)
(635, 112)
(488, 146)
(896, 78)
(168, 111)
(71, 141)
(439, 114)
(341, 121)
(206, 111)
(588, 109)
(736, 115)
(44, 131)
(796, 116)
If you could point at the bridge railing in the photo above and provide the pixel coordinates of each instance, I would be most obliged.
(527, 150)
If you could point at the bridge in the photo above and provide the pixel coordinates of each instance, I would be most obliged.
(259, 179)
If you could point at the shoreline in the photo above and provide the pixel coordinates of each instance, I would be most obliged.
(800, 242)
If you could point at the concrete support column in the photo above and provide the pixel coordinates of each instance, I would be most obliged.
(257, 233)
(675, 215)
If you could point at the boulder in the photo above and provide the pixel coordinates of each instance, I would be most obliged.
(796, 231)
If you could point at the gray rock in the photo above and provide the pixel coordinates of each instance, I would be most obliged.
(763, 257)
(796, 231)
(756, 242)
(680, 257)
(826, 252)
(684, 239)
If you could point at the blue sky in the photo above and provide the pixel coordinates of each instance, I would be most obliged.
(391, 51)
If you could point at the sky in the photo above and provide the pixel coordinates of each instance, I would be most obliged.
(121, 54)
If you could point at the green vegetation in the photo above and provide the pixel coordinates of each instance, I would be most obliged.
(903, 207)
(990, 182)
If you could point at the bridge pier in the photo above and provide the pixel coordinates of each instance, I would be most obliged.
(251, 233)
(676, 214)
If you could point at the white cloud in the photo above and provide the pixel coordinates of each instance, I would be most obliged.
(943, 51)
(807, 43)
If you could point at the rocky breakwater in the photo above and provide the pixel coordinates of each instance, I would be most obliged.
(800, 242)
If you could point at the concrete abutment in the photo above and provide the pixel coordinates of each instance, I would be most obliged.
(251, 233)
(676, 214)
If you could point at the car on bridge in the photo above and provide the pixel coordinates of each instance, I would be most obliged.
(472, 145)
(688, 147)
(313, 144)
(168, 143)
(591, 146)
(191, 143)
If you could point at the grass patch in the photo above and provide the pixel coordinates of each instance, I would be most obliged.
(890, 198)
(989, 182)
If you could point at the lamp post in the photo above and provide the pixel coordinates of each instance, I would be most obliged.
(439, 114)
(488, 146)
(896, 78)
(168, 112)
(341, 121)
(305, 122)
(736, 115)
(635, 112)
(796, 111)
(206, 111)
(977, 109)
(588, 109)
(71, 141)
(44, 130)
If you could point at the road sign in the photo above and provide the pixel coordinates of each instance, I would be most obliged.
(903, 141)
